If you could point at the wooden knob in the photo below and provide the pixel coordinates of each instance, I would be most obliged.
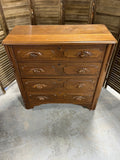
(83, 54)
(40, 86)
(78, 98)
(42, 98)
(81, 85)
(35, 54)
(83, 70)
(38, 70)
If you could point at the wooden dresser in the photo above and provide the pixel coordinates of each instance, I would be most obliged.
(60, 63)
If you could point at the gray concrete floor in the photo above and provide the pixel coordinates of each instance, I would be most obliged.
(59, 131)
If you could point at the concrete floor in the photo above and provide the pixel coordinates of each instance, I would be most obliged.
(59, 131)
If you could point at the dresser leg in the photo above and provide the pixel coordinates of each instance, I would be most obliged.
(93, 107)
(27, 106)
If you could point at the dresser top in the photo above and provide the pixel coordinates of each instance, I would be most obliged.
(59, 34)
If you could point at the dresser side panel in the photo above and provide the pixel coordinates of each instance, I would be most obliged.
(102, 76)
(17, 74)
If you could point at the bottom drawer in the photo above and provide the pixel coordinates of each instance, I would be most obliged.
(35, 100)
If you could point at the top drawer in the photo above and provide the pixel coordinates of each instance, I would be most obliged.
(79, 53)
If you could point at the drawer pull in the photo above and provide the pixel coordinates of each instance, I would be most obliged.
(83, 54)
(78, 98)
(81, 85)
(83, 70)
(42, 98)
(40, 86)
(35, 54)
(38, 70)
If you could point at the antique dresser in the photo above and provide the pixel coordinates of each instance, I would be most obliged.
(60, 63)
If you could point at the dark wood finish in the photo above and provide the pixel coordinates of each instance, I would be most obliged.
(60, 64)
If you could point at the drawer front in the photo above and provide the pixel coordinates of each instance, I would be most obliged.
(43, 84)
(35, 100)
(37, 53)
(82, 84)
(54, 69)
(44, 97)
(79, 53)
(38, 99)
(78, 99)
(82, 69)
(39, 69)
(85, 53)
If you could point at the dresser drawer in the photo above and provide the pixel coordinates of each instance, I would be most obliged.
(82, 69)
(78, 53)
(82, 84)
(54, 69)
(78, 99)
(48, 85)
(37, 53)
(85, 53)
(37, 99)
(39, 69)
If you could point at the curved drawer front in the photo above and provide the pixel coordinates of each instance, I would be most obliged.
(54, 69)
(38, 99)
(93, 53)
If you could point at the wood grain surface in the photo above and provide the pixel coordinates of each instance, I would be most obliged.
(59, 34)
